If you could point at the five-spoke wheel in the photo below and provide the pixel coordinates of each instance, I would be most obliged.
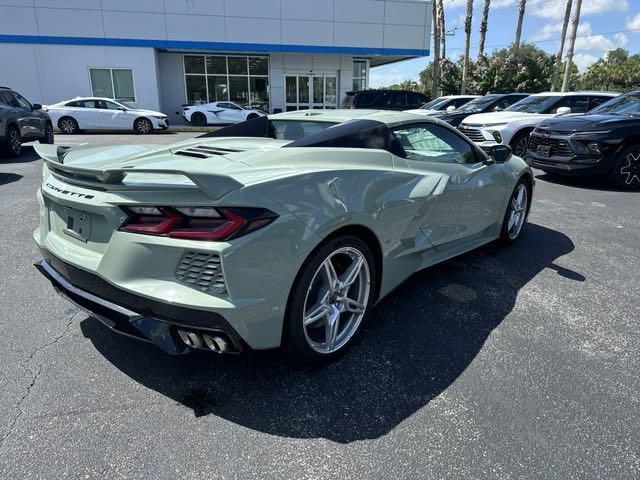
(516, 214)
(330, 299)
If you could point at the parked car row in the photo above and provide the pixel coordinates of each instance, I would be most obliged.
(565, 133)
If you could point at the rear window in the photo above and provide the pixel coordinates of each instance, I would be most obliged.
(295, 129)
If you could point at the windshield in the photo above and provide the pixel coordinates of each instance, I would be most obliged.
(534, 104)
(434, 104)
(624, 104)
(295, 129)
(479, 104)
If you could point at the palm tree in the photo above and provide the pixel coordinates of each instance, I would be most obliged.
(563, 37)
(575, 22)
(516, 44)
(435, 81)
(483, 28)
(467, 30)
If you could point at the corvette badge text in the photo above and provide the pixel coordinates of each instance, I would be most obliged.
(68, 192)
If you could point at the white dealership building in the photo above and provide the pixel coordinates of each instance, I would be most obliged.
(161, 54)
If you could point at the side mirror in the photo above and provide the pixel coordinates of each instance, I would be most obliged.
(37, 106)
(450, 108)
(563, 110)
(497, 109)
(122, 109)
(499, 153)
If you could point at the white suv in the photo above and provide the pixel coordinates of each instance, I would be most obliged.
(513, 125)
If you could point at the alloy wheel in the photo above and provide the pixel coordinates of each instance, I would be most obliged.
(143, 126)
(517, 211)
(68, 125)
(520, 148)
(14, 141)
(630, 170)
(336, 300)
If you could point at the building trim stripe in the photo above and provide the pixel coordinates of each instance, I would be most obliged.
(197, 45)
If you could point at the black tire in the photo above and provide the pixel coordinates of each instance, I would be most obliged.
(626, 171)
(48, 138)
(143, 126)
(199, 119)
(68, 125)
(295, 340)
(506, 234)
(251, 116)
(13, 145)
(519, 145)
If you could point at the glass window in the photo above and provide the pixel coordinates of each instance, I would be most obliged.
(331, 91)
(237, 65)
(218, 88)
(239, 90)
(21, 101)
(295, 129)
(359, 75)
(216, 65)
(123, 84)
(303, 89)
(193, 64)
(534, 104)
(196, 89)
(101, 82)
(628, 102)
(292, 90)
(431, 143)
(258, 66)
(259, 93)
(577, 104)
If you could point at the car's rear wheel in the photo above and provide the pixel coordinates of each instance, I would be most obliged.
(516, 215)
(199, 119)
(330, 300)
(520, 144)
(251, 116)
(143, 126)
(68, 125)
(13, 146)
(48, 135)
(626, 171)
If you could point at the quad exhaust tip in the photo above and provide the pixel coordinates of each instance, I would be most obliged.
(204, 341)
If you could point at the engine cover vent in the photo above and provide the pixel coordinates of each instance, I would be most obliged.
(202, 271)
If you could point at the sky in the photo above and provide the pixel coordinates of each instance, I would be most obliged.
(604, 25)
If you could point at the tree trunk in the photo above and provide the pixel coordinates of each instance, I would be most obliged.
(575, 22)
(467, 30)
(435, 81)
(516, 44)
(443, 30)
(563, 37)
(483, 28)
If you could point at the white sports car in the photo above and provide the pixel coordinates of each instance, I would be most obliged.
(97, 113)
(217, 113)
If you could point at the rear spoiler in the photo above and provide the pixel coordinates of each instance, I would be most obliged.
(213, 185)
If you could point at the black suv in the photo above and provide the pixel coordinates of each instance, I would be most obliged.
(385, 99)
(491, 102)
(604, 141)
(21, 122)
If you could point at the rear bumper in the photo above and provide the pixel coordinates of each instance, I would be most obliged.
(132, 315)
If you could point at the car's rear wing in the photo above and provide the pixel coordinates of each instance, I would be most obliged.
(213, 185)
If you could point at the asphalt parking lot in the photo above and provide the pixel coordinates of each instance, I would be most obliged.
(509, 363)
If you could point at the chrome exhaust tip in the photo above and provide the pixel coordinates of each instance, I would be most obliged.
(215, 343)
(191, 339)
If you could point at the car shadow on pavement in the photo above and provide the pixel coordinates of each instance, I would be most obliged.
(28, 154)
(418, 341)
(586, 183)
(9, 178)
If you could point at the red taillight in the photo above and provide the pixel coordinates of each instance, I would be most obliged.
(196, 223)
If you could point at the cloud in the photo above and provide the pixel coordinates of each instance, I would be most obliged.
(633, 22)
(555, 10)
(584, 60)
(586, 41)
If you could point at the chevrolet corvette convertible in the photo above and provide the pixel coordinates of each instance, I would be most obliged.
(280, 231)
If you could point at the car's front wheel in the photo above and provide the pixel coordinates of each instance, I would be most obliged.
(199, 119)
(516, 215)
(520, 144)
(143, 126)
(626, 171)
(48, 135)
(330, 300)
(68, 125)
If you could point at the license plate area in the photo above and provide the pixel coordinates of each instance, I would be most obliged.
(544, 150)
(77, 224)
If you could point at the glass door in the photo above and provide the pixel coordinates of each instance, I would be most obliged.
(310, 92)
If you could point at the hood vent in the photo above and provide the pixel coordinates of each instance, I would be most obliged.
(204, 151)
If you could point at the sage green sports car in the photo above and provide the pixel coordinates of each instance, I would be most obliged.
(279, 231)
